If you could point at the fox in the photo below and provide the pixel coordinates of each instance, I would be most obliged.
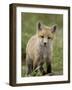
(39, 49)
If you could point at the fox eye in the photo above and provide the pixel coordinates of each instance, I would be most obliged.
(42, 36)
(49, 37)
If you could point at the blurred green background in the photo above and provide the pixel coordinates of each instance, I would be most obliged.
(28, 22)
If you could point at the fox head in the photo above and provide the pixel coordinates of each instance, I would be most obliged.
(45, 34)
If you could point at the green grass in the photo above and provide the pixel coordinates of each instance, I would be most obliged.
(29, 21)
(58, 53)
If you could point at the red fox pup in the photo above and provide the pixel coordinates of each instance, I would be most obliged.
(39, 49)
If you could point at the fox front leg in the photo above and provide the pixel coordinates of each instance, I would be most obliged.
(49, 66)
(29, 65)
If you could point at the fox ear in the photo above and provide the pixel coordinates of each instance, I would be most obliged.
(39, 26)
(54, 28)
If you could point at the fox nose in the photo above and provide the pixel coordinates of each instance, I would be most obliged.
(45, 43)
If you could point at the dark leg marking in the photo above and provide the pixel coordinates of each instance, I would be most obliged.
(49, 68)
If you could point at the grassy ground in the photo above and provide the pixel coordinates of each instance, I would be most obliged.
(29, 29)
